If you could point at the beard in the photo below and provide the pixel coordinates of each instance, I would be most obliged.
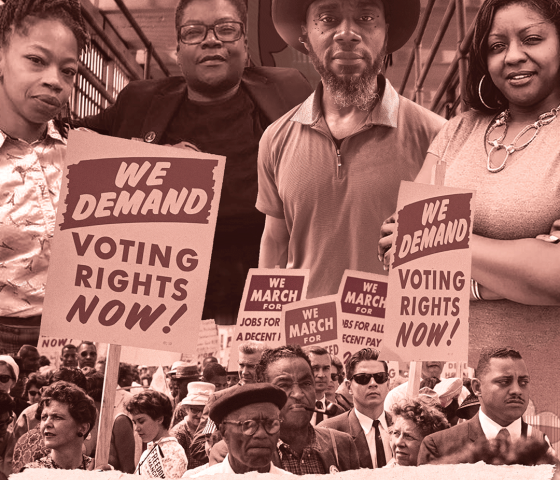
(349, 89)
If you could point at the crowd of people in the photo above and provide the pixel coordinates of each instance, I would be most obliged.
(276, 418)
(323, 169)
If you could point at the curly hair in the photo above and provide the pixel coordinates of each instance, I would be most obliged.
(80, 406)
(361, 356)
(272, 355)
(478, 51)
(152, 403)
(94, 381)
(428, 419)
(34, 379)
(16, 15)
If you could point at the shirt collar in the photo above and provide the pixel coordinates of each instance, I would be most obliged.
(313, 443)
(491, 428)
(367, 423)
(52, 132)
(385, 113)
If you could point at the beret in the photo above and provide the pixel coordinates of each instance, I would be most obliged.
(240, 396)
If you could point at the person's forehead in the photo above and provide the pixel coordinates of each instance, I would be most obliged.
(56, 406)
(249, 357)
(88, 348)
(295, 368)
(334, 5)
(405, 425)
(209, 12)
(505, 367)
(69, 351)
(369, 366)
(320, 360)
(4, 370)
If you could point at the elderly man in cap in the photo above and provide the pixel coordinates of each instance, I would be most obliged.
(193, 403)
(330, 169)
(185, 375)
(249, 420)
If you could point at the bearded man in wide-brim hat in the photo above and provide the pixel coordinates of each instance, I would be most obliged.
(330, 169)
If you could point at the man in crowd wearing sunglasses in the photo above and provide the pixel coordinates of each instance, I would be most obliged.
(222, 106)
(367, 422)
(321, 364)
(249, 421)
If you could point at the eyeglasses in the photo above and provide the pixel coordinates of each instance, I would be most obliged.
(250, 427)
(224, 32)
(5, 378)
(365, 378)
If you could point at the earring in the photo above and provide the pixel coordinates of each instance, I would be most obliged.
(480, 95)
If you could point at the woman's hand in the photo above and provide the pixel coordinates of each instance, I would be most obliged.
(387, 234)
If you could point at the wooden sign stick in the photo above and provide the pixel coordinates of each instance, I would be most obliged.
(107, 414)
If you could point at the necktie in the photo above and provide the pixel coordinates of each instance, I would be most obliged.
(381, 462)
(319, 417)
(504, 436)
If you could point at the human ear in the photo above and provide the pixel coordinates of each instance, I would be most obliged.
(475, 385)
(304, 39)
(349, 386)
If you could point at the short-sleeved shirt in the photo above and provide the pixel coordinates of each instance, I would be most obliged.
(334, 213)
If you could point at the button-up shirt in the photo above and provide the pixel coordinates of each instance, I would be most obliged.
(310, 460)
(367, 426)
(491, 428)
(30, 179)
(225, 467)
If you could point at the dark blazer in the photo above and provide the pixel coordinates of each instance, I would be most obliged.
(457, 444)
(144, 108)
(348, 423)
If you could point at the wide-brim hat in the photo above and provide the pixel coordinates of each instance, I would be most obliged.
(187, 371)
(198, 393)
(401, 15)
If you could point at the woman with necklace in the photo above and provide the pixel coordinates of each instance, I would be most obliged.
(67, 417)
(507, 148)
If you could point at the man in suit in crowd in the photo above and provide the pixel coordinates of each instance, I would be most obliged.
(321, 364)
(502, 387)
(367, 422)
(222, 106)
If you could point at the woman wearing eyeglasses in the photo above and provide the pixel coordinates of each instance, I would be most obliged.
(67, 417)
(412, 421)
(151, 414)
(9, 372)
(32, 390)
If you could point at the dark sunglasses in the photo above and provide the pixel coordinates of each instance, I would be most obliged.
(34, 392)
(250, 427)
(5, 378)
(365, 378)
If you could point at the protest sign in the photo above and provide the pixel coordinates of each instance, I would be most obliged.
(208, 343)
(148, 356)
(132, 244)
(312, 322)
(428, 302)
(362, 298)
(266, 292)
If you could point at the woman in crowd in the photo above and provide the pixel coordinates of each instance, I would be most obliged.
(6, 419)
(32, 390)
(151, 413)
(412, 421)
(506, 148)
(9, 372)
(67, 417)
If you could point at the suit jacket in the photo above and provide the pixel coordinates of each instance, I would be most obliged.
(457, 444)
(348, 423)
(144, 108)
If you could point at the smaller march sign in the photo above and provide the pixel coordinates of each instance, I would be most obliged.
(266, 292)
(429, 282)
(362, 298)
(313, 322)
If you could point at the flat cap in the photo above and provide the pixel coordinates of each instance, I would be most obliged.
(243, 395)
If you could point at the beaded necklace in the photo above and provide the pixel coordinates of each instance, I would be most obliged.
(502, 119)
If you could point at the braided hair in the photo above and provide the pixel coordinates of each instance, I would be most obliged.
(15, 13)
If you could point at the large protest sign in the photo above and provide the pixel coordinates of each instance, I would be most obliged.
(266, 292)
(428, 301)
(362, 298)
(313, 322)
(132, 244)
